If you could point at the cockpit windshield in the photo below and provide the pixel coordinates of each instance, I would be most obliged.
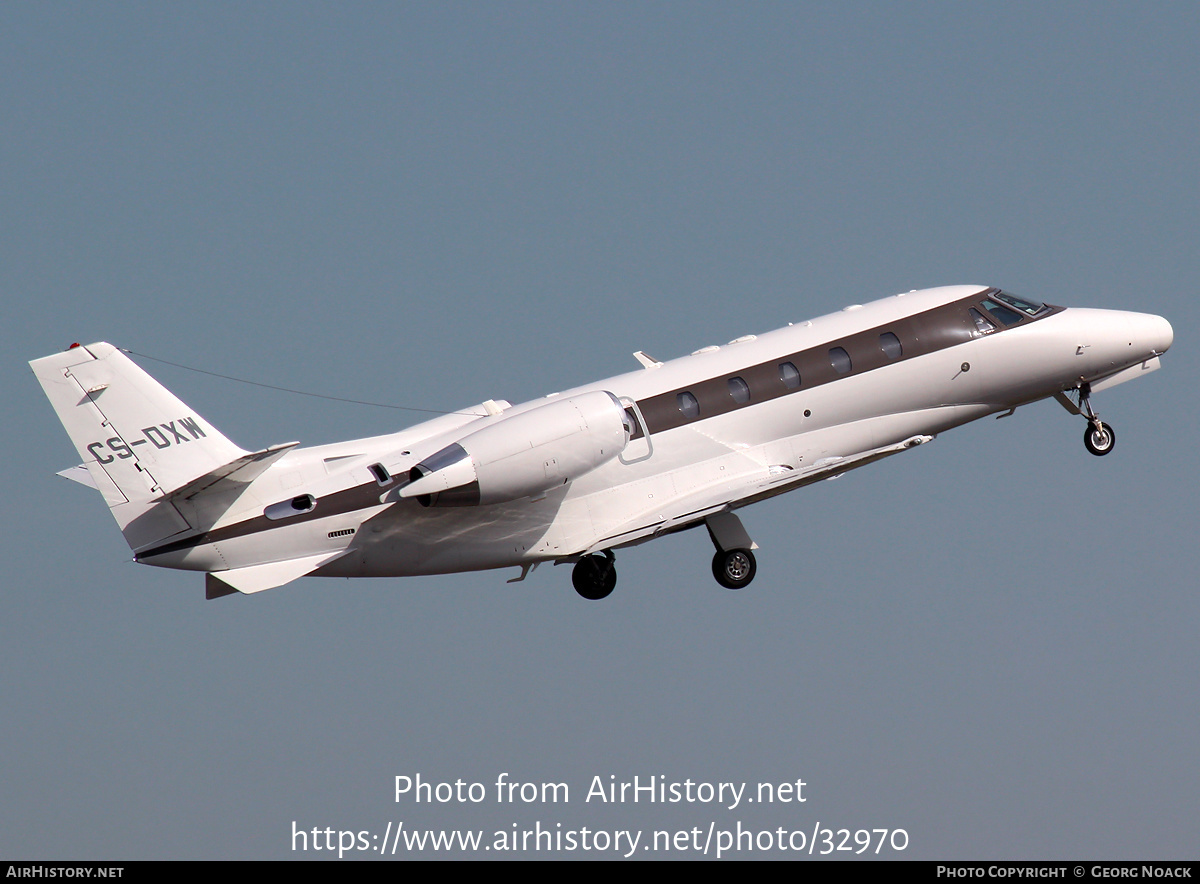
(1030, 308)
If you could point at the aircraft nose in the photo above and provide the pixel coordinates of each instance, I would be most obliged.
(1117, 339)
(1139, 335)
(1160, 333)
(1147, 333)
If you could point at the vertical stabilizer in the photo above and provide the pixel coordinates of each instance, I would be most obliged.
(138, 441)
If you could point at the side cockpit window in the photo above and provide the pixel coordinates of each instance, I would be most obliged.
(983, 325)
(1008, 317)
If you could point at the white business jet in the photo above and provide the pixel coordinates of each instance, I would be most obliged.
(573, 476)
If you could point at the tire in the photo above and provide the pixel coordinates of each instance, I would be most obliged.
(594, 577)
(734, 568)
(1099, 442)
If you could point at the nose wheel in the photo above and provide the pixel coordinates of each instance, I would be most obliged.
(1099, 437)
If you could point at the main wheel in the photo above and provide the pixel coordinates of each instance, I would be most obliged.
(734, 568)
(595, 576)
(1099, 440)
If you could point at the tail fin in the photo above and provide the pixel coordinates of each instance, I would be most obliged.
(138, 441)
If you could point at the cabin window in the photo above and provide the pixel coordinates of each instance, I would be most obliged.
(1008, 317)
(890, 345)
(688, 406)
(840, 360)
(632, 425)
(984, 325)
(739, 390)
(789, 375)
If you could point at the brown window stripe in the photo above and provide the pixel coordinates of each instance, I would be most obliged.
(935, 329)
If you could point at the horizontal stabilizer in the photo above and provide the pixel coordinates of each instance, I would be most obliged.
(79, 474)
(238, 472)
(256, 578)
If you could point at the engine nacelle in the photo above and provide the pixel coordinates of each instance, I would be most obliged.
(524, 455)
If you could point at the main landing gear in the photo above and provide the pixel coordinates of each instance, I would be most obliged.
(733, 564)
(734, 568)
(1099, 437)
(595, 576)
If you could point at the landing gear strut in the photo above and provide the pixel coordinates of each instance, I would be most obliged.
(1099, 437)
(595, 576)
(733, 565)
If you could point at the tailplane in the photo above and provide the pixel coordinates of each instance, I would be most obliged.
(141, 446)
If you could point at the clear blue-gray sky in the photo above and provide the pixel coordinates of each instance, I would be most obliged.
(989, 642)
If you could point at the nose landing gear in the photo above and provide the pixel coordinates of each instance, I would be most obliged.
(1099, 437)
